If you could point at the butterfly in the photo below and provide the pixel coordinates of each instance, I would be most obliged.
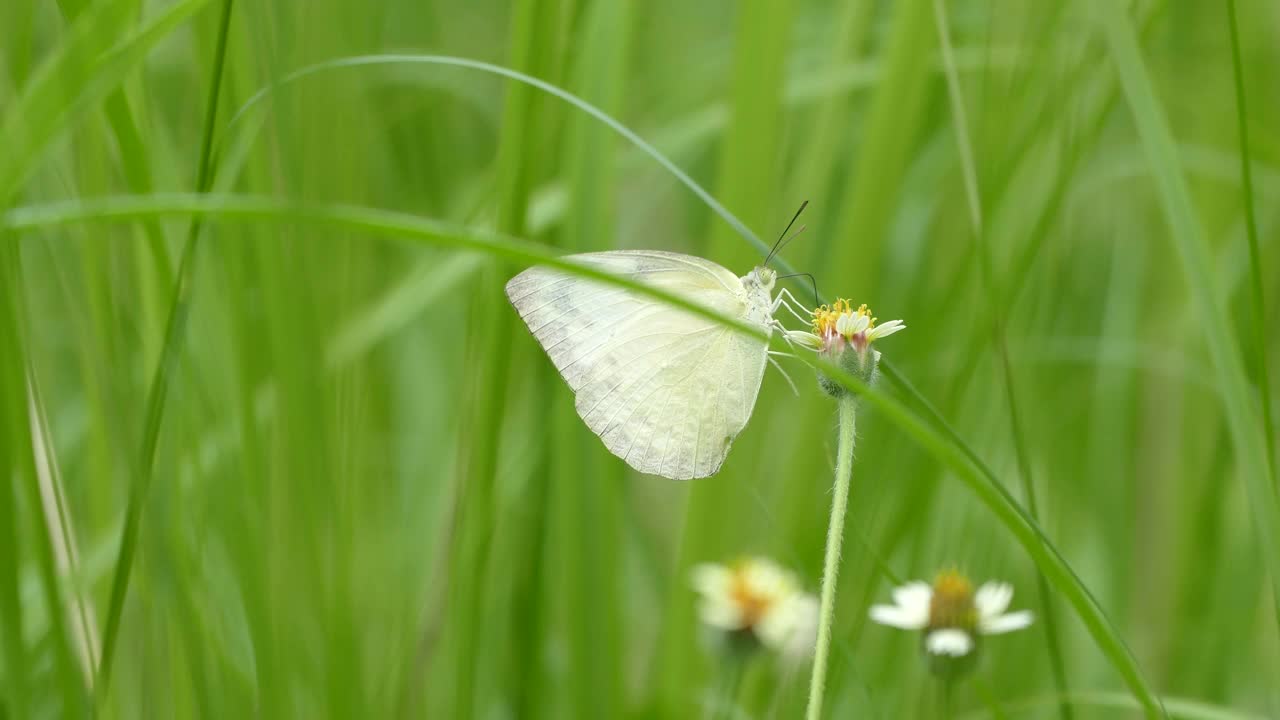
(665, 389)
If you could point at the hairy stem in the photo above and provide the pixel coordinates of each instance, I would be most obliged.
(831, 566)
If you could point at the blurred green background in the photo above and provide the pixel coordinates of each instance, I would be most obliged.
(357, 486)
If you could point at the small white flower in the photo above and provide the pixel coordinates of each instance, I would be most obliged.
(951, 614)
(839, 325)
(757, 598)
(838, 328)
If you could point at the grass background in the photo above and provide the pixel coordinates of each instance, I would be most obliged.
(356, 487)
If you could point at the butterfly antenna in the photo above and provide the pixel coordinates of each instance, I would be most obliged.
(814, 283)
(794, 235)
(779, 243)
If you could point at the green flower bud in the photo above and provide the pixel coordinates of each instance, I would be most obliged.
(844, 336)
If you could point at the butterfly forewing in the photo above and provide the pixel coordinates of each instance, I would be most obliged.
(665, 389)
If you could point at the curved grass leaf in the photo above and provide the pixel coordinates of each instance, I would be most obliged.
(392, 224)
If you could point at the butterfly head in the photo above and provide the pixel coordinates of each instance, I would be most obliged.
(761, 277)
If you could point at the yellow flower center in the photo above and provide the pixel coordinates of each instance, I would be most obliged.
(748, 597)
(952, 604)
(826, 316)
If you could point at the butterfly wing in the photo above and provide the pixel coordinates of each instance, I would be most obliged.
(665, 389)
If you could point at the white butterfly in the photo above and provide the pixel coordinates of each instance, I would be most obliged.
(665, 389)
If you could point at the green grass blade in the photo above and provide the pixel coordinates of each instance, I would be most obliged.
(424, 285)
(61, 529)
(17, 430)
(884, 146)
(586, 490)
(1192, 249)
(474, 594)
(34, 119)
(1179, 708)
(748, 177)
(821, 145)
(16, 666)
(747, 181)
(1251, 229)
(974, 202)
(157, 393)
(452, 61)
(134, 154)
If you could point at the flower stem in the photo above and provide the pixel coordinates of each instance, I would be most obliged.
(726, 699)
(831, 567)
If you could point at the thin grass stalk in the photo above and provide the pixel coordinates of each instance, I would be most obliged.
(1189, 241)
(61, 531)
(31, 122)
(747, 179)
(45, 539)
(591, 511)
(888, 134)
(847, 409)
(27, 473)
(490, 362)
(158, 391)
(14, 700)
(1251, 229)
(821, 145)
(134, 153)
(974, 201)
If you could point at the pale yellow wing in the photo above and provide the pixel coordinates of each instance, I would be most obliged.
(665, 389)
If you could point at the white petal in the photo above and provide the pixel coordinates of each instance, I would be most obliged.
(1005, 623)
(804, 339)
(764, 578)
(993, 598)
(781, 621)
(721, 613)
(774, 628)
(949, 641)
(849, 325)
(900, 617)
(914, 596)
(711, 579)
(805, 634)
(886, 329)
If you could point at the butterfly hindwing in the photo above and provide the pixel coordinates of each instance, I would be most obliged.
(665, 389)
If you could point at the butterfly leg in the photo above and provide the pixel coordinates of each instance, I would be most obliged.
(785, 376)
(787, 300)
